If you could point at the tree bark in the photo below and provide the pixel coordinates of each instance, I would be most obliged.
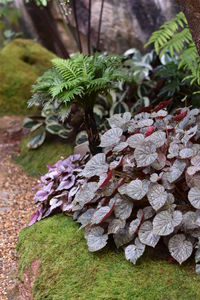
(92, 131)
(191, 9)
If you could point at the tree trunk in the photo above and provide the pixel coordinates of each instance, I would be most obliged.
(92, 131)
(191, 9)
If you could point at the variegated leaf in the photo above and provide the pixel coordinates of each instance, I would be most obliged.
(158, 138)
(146, 234)
(157, 196)
(123, 207)
(194, 197)
(135, 140)
(96, 239)
(180, 248)
(145, 154)
(84, 195)
(164, 222)
(111, 137)
(133, 252)
(137, 189)
(95, 166)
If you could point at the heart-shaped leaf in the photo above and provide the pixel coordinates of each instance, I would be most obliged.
(145, 154)
(133, 252)
(146, 234)
(176, 170)
(194, 197)
(157, 195)
(95, 166)
(164, 222)
(180, 248)
(158, 138)
(137, 189)
(84, 195)
(101, 214)
(135, 140)
(123, 207)
(96, 239)
(111, 137)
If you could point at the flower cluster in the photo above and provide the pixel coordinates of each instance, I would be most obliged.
(57, 188)
(145, 185)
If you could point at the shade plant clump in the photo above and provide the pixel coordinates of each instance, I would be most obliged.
(58, 186)
(144, 186)
(80, 80)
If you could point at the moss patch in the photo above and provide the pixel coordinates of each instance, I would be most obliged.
(35, 161)
(69, 271)
(21, 62)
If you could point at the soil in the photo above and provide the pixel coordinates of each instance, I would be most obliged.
(16, 201)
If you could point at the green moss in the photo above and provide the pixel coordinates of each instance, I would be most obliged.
(21, 62)
(35, 161)
(69, 271)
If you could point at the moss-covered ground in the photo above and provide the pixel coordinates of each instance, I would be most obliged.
(21, 62)
(69, 271)
(35, 161)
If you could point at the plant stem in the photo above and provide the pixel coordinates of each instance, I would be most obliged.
(99, 28)
(89, 26)
(92, 131)
(77, 26)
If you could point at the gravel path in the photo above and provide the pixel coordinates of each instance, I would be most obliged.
(16, 202)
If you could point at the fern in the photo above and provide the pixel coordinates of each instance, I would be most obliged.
(79, 78)
(174, 37)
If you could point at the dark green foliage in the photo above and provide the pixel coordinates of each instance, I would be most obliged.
(174, 36)
(78, 79)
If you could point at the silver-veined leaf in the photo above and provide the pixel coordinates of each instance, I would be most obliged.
(133, 252)
(157, 195)
(96, 166)
(123, 207)
(115, 225)
(137, 189)
(100, 214)
(135, 140)
(180, 248)
(146, 234)
(85, 218)
(145, 154)
(158, 138)
(176, 170)
(186, 153)
(84, 195)
(96, 239)
(194, 197)
(111, 137)
(164, 222)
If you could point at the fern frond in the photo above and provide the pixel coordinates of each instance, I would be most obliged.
(67, 68)
(177, 42)
(71, 95)
(171, 32)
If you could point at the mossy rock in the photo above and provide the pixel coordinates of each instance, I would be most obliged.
(21, 62)
(69, 271)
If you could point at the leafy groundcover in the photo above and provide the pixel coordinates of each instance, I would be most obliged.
(143, 189)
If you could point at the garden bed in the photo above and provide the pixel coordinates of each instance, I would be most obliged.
(68, 270)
